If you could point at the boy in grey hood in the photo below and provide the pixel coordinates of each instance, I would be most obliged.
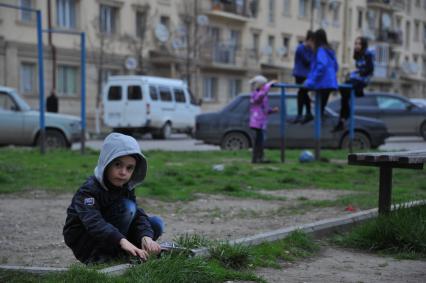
(103, 220)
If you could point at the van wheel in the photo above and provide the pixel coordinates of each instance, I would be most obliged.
(164, 133)
(360, 141)
(53, 139)
(234, 141)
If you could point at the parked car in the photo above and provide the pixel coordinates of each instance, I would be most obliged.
(401, 116)
(19, 125)
(149, 104)
(229, 128)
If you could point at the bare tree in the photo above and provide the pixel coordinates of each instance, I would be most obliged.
(101, 48)
(137, 44)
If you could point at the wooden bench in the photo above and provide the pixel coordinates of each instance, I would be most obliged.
(386, 161)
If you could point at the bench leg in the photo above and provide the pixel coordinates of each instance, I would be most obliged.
(385, 189)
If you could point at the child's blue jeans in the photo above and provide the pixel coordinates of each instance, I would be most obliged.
(122, 213)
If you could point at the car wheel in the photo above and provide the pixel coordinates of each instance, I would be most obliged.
(423, 130)
(235, 141)
(360, 141)
(165, 132)
(53, 139)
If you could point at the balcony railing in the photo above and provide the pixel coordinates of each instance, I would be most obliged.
(390, 36)
(389, 4)
(234, 7)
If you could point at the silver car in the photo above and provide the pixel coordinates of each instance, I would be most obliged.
(19, 125)
(401, 116)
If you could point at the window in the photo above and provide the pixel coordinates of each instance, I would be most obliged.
(287, 8)
(303, 8)
(114, 93)
(165, 20)
(179, 95)
(271, 44)
(286, 46)
(271, 13)
(234, 88)
(67, 80)
(6, 102)
(26, 16)
(390, 103)
(360, 19)
(408, 5)
(255, 44)
(418, 5)
(209, 89)
(424, 33)
(108, 19)
(416, 31)
(407, 34)
(336, 12)
(322, 12)
(153, 92)
(65, 13)
(424, 67)
(134, 92)
(165, 94)
(28, 77)
(366, 101)
(141, 18)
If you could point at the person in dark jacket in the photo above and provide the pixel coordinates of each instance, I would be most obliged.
(302, 62)
(103, 220)
(364, 62)
(322, 77)
(52, 103)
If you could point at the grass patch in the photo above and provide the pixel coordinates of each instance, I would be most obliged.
(402, 233)
(225, 263)
(174, 176)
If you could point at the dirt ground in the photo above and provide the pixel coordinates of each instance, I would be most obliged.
(32, 233)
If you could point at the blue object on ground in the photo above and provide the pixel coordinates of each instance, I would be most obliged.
(306, 156)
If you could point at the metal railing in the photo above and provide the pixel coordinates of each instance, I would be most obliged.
(317, 118)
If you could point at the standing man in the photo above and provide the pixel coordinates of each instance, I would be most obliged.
(302, 62)
(52, 103)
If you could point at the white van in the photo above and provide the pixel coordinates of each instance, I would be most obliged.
(149, 104)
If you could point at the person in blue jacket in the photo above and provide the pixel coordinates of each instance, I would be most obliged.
(103, 220)
(302, 62)
(359, 79)
(322, 77)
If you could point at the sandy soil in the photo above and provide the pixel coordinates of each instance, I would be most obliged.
(342, 265)
(32, 232)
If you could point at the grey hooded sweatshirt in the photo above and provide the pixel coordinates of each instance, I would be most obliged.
(85, 228)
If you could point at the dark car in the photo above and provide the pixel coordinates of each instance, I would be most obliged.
(401, 116)
(229, 128)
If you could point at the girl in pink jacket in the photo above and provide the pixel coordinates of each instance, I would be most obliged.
(259, 110)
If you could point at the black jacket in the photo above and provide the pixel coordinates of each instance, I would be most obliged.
(85, 225)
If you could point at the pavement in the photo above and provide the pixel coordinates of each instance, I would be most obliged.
(181, 142)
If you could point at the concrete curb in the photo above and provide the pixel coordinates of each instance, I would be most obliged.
(317, 229)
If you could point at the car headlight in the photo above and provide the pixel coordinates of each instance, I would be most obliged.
(75, 125)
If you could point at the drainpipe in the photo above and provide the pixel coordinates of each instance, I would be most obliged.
(51, 45)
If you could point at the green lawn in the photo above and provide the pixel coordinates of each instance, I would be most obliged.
(180, 175)
(225, 263)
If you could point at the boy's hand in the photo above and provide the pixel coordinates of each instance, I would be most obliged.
(131, 249)
(150, 245)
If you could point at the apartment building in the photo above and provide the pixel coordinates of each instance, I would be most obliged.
(216, 45)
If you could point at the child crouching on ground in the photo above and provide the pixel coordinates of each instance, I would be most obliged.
(103, 221)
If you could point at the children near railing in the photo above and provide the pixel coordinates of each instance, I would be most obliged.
(322, 76)
(302, 62)
(364, 62)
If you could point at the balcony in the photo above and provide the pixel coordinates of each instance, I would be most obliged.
(395, 5)
(239, 11)
(390, 36)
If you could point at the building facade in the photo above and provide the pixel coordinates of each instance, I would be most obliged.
(216, 45)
